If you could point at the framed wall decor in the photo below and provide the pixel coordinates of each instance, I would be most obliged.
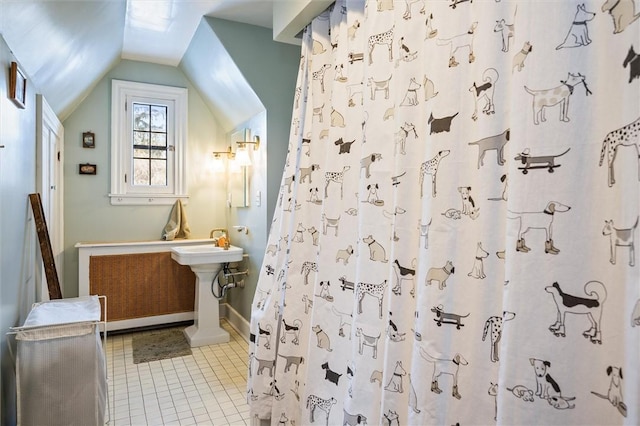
(17, 85)
(88, 140)
(87, 169)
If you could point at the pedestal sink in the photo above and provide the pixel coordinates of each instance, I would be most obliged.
(205, 261)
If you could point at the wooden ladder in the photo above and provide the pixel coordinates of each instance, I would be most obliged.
(45, 247)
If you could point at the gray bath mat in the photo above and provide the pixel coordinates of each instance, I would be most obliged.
(160, 344)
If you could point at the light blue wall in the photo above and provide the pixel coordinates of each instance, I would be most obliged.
(255, 217)
(17, 233)
(89, 216)
(271, 69)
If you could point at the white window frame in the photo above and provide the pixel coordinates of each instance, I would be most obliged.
(123, 93)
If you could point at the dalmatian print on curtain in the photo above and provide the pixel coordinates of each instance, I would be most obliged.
(454, 240)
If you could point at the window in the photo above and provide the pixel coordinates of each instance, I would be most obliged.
(148, 143)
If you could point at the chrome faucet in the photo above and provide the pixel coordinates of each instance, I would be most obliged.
(224, 233)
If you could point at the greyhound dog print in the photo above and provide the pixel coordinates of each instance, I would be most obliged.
(460, 41)
(492, 143)
(538, 220)
(408, 4)
(446, 366)
(344, 322)
(291, 361)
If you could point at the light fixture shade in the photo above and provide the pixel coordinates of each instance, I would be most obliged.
(242, 156)
(234, 167)
(218, 164)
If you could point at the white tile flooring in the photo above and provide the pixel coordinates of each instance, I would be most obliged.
(205, 388)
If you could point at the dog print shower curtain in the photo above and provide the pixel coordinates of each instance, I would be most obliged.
(455, 235)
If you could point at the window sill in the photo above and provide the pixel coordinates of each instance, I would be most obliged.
(146, 200)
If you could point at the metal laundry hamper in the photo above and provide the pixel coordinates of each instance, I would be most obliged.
(60, 364)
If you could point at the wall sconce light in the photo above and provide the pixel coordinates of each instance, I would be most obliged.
(242, 153)
(218, 159)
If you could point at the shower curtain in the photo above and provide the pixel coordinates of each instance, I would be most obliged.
(454, 240)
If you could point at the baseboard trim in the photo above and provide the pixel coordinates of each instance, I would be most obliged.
(236, 320)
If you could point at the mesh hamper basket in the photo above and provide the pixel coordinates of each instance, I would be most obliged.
(60, 364)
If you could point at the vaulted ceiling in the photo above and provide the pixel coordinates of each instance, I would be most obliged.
(67, 46)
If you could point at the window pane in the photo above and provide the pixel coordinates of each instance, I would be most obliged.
(140, 172)
(150, 144)
(158, 118)
(141, 117)
(158, 172)
(140, 138)
(159, 139)
(159, 153)
(141, 153)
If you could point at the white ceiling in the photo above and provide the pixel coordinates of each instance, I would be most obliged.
(160, 31)
(67, 46)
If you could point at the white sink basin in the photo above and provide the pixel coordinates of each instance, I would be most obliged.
(205, 254)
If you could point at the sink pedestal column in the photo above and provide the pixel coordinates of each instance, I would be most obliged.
(206, 329)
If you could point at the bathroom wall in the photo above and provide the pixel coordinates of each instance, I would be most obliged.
(271, 69)
(254, 217)
(89, 216)
(17, 233)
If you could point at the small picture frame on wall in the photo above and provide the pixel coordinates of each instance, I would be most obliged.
(17, 85)
(87, 169)
(88, 140)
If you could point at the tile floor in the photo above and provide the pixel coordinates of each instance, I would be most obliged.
(205, 388)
